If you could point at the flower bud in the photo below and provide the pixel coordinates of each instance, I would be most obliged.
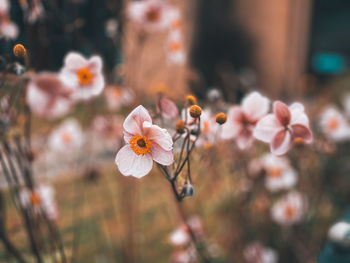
(221, 118)
(191, 100)
(19, 51)
(188, 190)
(195, 111)
(180, 126)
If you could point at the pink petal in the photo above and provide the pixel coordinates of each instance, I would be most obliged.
(244, 140)
(255, 106)
(234, 122)
(158, 135)
(134, 122)
(230, 130)
(298, 114)
(281, 142)
(266, 128)
(129, 163)
(95, 64)
(74, 61)
(301, 131)
(235, 114)
(167, 108)
(161, 156)
(282, 112)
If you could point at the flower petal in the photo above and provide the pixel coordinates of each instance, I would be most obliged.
(74, 61)
(282, 112)
(167, 108)
(95, 64)
(266, 128)
(298, 114)
(281, 142)
(129, 163)
(255, 106)
(302, 131)
(244, 140)
(161, 156)
(158, 135)
(133, 123)
(233, 125)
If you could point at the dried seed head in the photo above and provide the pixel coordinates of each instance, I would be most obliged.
(195, 111)
(191, 100)
(19, 51)
(180, 126)
(221, 118)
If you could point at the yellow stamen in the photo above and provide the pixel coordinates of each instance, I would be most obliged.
(35, 199)
(333, 124)
(66, 138)
(274, 172)
(140, 144)
(84, 76)
(175, 47)
(298, 140)
(289, 211)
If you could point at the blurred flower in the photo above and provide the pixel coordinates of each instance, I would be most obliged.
(334, 124)
(241, 120)
(257, 253)
(340, 233)
(166, 108)
(111, 27)
(195, 224)
(36, 11)
(67, 137)
(47, 96)
(175, 50)
(255, 167)
(214, 94)
(83, 75)
(4, 7)
(283, 126)
(8, 29)
(180, 237)
(182, 256)
(175, 19)
(145, 142)
(41, 198)
(118, 97)
(279, 173)
(151, 15)
(110, 129)
(289, 209)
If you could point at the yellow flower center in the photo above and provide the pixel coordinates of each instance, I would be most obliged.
(333, 124)
(298, 140)
(66, 138)
(140, 144)
(84, 76)
(275, 172)
(175, 47)
(289, 211)
(35, 199)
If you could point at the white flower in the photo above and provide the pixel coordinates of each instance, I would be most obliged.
(67, 137)
(334, 124)
(256, 253)
(339, 233)
(289, 209)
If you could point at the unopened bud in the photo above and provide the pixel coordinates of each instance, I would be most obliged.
(195, 111)
(191, 100)
(221, 118)
(19, 51)
(188, 190)
(180, 126)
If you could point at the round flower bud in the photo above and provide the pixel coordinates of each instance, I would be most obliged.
(221, 118)
(188, 190)
(19, 51)
(195, 111)
(180, 126)
(191, 100)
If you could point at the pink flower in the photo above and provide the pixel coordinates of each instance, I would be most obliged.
(117, 97)
(35, 12)
(151, 15)
(8, 29)
(167, 108)
(175, 49)
(256, 253)
(289, 209)
(83, 75)
(47, 96)
(4, 7)
(334, 124)
(241, 120)
(283, 126)
(180, 237)
(145, 142)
